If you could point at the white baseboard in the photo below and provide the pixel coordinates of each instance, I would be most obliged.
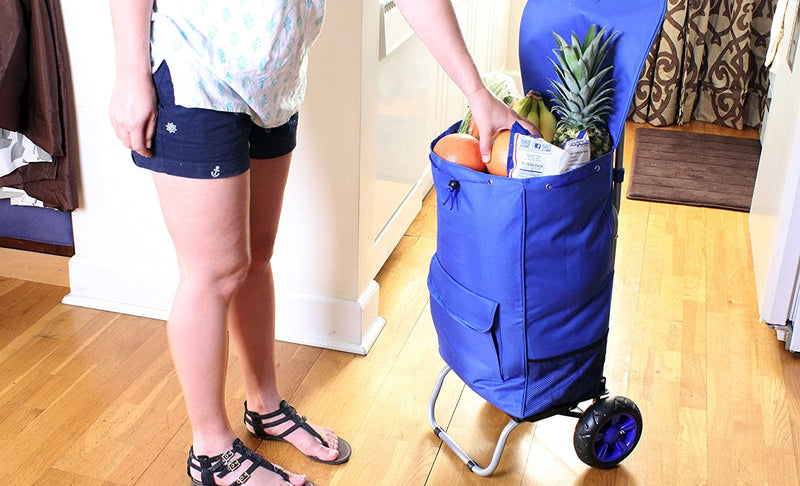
(119, 307)
(117, 285)
(146, 291)
(330, 322)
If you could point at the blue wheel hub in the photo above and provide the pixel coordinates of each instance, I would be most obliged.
(615, 438)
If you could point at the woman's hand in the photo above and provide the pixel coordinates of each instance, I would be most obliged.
(133, 106)
(491, 116)
(435, 23)
(133, 111)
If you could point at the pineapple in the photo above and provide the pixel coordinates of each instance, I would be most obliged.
(582, 98)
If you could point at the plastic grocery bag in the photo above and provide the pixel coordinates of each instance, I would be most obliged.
(531, 156)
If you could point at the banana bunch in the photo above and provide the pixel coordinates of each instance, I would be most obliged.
(533, 108)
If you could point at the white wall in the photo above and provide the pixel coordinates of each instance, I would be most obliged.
(514, 18)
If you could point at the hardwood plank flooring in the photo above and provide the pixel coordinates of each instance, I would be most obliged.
(38, 267)
(90, 398)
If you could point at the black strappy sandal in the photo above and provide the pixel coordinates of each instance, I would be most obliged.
(223, 464)
(286, 413)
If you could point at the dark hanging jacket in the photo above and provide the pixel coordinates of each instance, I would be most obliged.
(35, 98)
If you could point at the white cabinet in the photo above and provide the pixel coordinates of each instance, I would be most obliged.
(376, 98)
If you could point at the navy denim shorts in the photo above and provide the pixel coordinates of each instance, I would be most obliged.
(209, 144)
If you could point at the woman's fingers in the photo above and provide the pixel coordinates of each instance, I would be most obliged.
(136, 138)
(486, 148)
(491, 116)
(133, 114)
(529, 126)
(141, 137)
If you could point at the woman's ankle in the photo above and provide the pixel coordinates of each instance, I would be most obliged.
(212, 444)
(264, 403)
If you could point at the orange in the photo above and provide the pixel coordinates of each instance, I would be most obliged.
(462, 149)
(498, 165)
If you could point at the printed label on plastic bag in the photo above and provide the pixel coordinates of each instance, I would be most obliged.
(531, 156)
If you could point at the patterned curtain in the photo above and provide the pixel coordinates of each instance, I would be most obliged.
(707, 64)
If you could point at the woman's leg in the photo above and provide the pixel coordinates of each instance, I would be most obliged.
(252, 318)
(208, 223)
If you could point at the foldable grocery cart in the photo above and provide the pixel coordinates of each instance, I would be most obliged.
(521, 281)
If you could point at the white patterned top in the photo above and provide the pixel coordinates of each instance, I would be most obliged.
(244, 56)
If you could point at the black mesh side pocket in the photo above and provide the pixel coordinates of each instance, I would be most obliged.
(565, 379)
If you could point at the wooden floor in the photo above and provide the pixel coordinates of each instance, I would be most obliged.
(90, 397)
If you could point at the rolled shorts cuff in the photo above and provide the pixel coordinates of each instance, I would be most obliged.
(190, 169)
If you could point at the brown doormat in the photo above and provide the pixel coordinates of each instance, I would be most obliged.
(695, 169)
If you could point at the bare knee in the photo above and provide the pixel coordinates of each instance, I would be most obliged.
(261, 257)
(218, 277)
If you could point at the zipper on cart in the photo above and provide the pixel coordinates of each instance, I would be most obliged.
(523, 287)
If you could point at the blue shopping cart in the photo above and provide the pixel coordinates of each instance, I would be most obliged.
(521, 280)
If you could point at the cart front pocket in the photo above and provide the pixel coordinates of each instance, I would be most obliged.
(464, 323)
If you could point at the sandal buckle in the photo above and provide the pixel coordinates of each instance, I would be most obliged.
(243, 478)
(233, 465)
(227, 456)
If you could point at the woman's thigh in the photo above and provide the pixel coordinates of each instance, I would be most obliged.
(208, 220)
(267, 184)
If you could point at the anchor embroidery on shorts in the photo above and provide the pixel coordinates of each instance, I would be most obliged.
(215, 172)
(171, 127)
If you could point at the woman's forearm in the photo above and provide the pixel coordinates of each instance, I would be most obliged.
(132, 106)
(435, 23)
(131, 22)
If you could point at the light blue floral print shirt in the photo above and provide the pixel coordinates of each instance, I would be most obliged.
(244, 56)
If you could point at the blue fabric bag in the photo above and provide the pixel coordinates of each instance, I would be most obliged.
(521, 281)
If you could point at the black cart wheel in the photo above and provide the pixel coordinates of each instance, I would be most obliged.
(608, 431)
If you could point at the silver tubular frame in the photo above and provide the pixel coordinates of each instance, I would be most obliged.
(449, 442)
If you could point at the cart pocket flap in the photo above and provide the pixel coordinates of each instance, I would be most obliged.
(464, 306)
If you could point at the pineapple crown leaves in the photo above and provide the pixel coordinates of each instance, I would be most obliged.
(592, 48)
(582, 96)
(578, 61)
(591, 34)
(575, 97)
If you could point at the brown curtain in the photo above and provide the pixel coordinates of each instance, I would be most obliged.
(707, 64)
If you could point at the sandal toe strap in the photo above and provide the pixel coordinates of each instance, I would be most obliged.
(285, 413)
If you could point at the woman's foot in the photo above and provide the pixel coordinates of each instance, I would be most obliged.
(239, 465)
(284, 424)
